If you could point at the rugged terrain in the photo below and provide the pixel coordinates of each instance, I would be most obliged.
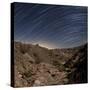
(38, 66)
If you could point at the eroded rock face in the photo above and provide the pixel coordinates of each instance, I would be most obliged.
(37, 66)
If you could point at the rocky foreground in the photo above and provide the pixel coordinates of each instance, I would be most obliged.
(38, 66)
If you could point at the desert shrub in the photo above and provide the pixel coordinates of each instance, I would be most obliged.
(24, 48)
(35, 55)
(27, 74)
(37, 59)
(58, 65)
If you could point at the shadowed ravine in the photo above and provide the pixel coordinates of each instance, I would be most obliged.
(39, 66)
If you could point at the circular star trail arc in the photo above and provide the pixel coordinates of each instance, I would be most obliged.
(57, 26)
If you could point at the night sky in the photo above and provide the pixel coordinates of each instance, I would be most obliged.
(51, 26)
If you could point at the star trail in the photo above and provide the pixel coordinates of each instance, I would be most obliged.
(52, 26)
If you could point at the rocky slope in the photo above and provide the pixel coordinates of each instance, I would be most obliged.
(39, 66)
